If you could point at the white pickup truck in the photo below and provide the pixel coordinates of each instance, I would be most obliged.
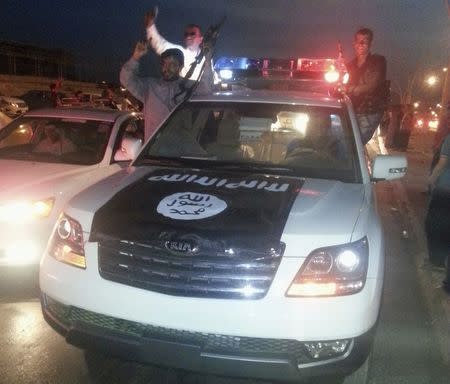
(244, 240)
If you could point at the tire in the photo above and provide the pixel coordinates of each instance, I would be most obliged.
(361, 375)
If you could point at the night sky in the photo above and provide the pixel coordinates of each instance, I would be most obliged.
(410, 33)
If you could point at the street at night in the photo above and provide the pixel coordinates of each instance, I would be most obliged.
(223, 191)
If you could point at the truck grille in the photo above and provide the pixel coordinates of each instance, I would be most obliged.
(236, 274)
(210, 343)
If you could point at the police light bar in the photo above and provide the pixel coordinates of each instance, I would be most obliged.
(270, 73)
(236, 68)
(234, 63)
(330, 70)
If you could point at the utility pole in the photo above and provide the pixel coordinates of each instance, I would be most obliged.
(445, 86)
(408, 94)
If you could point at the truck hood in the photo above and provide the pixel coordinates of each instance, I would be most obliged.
(19, 176)
(235, 210)
(324, 213)
(216, 206)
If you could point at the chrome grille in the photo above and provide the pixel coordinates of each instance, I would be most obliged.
(208, 342)
(246, 274)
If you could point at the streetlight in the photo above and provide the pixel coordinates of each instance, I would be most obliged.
(431, 80)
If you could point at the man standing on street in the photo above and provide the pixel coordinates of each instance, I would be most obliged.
(367, 84)
(192, 44)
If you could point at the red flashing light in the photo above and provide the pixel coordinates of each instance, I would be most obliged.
(332, 76)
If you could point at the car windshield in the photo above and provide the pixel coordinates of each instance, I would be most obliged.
(59, 140)
(296, 140)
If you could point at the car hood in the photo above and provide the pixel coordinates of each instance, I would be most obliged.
(238, 210)
(19, 176)
(12, 99)
(324, 213)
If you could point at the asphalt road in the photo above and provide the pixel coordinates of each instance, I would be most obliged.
(407, 347)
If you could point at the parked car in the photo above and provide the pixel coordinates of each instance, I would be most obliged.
(70, 101)
(40, 175)
(12, 106)
(244, 240)
(36, 99)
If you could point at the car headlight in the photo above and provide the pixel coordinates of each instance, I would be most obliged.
(332, 271)
(25, 210)
(66, 243)
(226, 74)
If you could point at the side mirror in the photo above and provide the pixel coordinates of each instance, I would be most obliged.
(389, 167)
(129, 149)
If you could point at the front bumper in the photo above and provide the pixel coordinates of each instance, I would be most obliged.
(263, 358)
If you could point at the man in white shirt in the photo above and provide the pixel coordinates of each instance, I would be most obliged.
(193, 39)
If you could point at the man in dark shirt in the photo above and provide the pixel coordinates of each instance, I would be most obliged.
(367, 84)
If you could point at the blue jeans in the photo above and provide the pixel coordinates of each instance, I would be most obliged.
(368, 123)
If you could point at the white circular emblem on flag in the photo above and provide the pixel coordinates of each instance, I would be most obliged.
(190, 206)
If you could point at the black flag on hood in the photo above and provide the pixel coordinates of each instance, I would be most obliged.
(244, 209)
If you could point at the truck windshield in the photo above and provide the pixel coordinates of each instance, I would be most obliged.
(307, 141)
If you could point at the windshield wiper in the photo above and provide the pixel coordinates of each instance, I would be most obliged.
(211, 162)
(259, 168)
(162, 160)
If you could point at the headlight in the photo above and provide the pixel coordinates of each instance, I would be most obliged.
(66, 243)
(226, 74)
(20, 211)
(332, 271)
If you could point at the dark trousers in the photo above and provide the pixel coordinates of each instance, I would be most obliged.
(437, 227)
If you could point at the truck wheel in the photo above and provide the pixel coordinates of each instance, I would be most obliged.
(361, 375)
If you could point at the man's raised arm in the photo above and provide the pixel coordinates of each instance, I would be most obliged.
(157, 42)
(129, 74)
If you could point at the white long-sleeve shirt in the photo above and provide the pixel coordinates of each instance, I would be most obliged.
(160, 44)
